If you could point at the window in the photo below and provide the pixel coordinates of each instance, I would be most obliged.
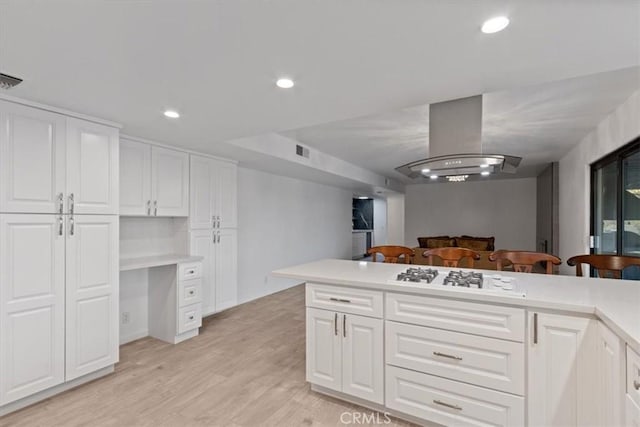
(615, 204)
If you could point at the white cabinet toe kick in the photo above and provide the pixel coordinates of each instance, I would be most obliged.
(457, 362)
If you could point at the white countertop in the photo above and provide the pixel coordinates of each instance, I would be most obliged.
(156, 261)
(615, 302)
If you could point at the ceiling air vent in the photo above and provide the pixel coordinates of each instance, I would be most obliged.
(302, 151)
(7, 81)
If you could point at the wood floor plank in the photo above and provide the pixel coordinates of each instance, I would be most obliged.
(246, 368)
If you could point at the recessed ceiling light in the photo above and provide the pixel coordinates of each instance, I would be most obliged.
(363, 197)
(484, 166)
(485, 173)
(426, 170)
(285, 83)
(172, 114)
(434, 177)
(494, 25)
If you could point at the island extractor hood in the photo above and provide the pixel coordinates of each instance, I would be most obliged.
(455, 144)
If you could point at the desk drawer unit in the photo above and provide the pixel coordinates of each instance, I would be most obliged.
(460, 316)
(344, 299)
(449, 402)
(633, 375)
(487, 362)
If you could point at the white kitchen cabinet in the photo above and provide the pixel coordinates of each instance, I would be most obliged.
(632, 412)
(154, 181)
(169, 182)
(92, 293)
(345, 353)
(219, 249)
(213, 188)
(92, 167)
(135, 178)
(32, 293)
(562, 370)
(32, 159)
(611, 370)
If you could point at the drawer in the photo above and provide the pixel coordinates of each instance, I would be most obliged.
(460, 316)
(449, 402)
(632, 412)
(189, 292)
(192, 270)
(487, 362)
(633, 375)
(345, 300)
(189, 317)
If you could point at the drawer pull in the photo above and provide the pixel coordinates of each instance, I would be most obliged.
(191, 292)
(448, 356)
(335, 324)
(190, 317)
(340, 300)
(191, 271)
(636, 384)
(448, 405)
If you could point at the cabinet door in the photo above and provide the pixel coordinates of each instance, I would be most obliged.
(169, 182)
(92, 294)
(611, 376)
(225, 186)
(362, 362)
(201, 244)
(632, 412)
(92, 167)
(201, 200)
(135, 178)
(226, 268)
(562, 375)
(324, 348)
(32, 159)
(32, 291)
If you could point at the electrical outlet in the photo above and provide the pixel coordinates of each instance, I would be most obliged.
(125, 317)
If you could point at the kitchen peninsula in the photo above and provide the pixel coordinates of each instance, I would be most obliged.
(547, 350)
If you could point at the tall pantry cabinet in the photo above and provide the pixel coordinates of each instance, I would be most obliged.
(213, 229)
(58, 248)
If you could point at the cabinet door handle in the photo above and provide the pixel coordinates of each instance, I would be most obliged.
(344, 325)
(340, 300)
(535, 328)
(71, 204)
(60, 203)
(636, 384)
(71, 226)
(218, 237)
(213, 221)
(448, 405)
(60, 222)
(218, 221)
(448, 356)
(335, 324)
(155, 208)
(148, 207)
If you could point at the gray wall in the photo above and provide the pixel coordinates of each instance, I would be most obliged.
(283, 222)
(505, 209)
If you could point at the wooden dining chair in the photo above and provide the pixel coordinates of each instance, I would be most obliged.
(524, 261)
(392, 254)
(451, 256)
(608, 266)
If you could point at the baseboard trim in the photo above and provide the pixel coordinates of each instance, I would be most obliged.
(45, 394)
(133, 336)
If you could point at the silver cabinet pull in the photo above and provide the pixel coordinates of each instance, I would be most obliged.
(218, 237)
(60, 203)
(191, 271)
(148, 207)
(191, 292)
(190, 317)
(71, 226)
(448, 405)
(218, 221)
(335, 324)
(448, 356)
(636, 384)
(155, 208)
(340, 300)
(344, 325)
(213, 221)
(71, 204)
(535, 328)
(60, 222)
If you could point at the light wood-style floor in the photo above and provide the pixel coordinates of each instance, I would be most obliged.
(246, 368)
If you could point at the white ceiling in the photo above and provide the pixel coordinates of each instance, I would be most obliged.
(539, 123)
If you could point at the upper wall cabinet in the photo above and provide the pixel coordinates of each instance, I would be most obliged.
(50, 163)
(154, 181)
(213, 194)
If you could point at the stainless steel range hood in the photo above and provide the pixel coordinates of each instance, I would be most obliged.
(455, 144)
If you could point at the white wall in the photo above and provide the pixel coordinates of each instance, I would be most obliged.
(395, 219)
(379, 222)
(284, 221)
(505, 209)
(620, 127)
